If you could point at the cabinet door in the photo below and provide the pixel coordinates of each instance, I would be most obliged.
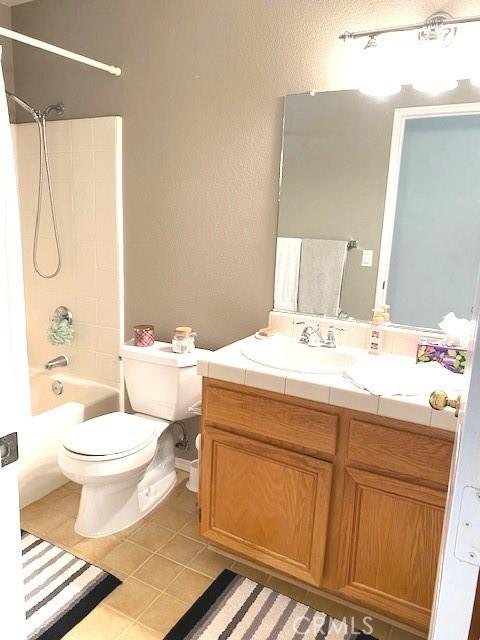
(265, 503)
(391, 535)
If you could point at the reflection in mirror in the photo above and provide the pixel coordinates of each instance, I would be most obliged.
(379, 204)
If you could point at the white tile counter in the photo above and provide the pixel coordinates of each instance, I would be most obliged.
(230, 365)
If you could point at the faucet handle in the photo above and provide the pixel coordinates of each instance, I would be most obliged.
(333, 328)
(330, 339)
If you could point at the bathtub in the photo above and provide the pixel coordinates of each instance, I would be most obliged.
(52, 414)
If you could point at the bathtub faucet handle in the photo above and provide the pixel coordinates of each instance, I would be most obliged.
(59, 361)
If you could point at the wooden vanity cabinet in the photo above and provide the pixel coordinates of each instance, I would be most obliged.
(266, 502)
(351, 503)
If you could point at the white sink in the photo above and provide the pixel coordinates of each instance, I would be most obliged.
(289, 354)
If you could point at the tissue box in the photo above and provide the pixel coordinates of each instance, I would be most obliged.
(451, 357)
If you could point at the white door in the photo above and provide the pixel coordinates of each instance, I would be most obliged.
(12, 604)
(460, 554)
(14, 388)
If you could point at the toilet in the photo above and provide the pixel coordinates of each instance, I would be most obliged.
(126, 463)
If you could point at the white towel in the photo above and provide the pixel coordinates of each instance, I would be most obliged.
(388, 378)
(322, 264)
(287, 269)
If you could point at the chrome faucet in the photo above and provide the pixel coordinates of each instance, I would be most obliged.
(312, 336)
(59, 361)
(329, 341)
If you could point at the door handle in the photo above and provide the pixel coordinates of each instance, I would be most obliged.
(8, 449)
(439, 400)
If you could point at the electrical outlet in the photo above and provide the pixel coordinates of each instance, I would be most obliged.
(367, 258)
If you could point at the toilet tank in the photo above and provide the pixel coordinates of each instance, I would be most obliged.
(161, 383)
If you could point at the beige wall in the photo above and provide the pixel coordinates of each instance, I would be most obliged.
(201, 96)
(7, 55)
(83, 159)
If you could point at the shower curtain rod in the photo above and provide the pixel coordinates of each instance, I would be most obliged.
(39, 44)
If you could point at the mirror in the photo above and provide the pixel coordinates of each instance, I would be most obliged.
(380, 204)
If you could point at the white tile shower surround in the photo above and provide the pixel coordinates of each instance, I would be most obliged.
(230, 365)
(85, 158)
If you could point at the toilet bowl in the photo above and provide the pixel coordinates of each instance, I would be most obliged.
(126, 466)
(126, 463)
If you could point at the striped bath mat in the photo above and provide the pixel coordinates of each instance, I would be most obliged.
(236, 608)
(60, 589)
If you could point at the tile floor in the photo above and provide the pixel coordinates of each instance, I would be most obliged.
(164, 566)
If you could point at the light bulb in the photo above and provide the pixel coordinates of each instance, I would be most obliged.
(376, 77)
(434, 68)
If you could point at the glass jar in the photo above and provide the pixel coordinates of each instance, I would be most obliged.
(183, 340)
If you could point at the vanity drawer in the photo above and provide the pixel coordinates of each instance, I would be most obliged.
(248, 411)
(411, 454)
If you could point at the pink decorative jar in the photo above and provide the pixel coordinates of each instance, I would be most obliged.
(144, 335)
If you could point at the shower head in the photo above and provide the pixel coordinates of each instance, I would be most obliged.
(33, 112)
(59, 109)
(36, 113)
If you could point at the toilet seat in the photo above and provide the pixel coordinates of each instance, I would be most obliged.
(109, 437)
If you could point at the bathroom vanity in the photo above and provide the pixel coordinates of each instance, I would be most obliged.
(303, 472)
(348, 501)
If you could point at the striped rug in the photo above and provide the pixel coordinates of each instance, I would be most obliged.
(60, 589)
(236, 608)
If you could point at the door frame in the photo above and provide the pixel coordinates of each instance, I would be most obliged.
(400, 118)
(457, 577)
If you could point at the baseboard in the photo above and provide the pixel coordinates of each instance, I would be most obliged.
(182, 464)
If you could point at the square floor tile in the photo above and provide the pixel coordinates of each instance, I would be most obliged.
(181, 549)
(65, 536)
(210, 563)
(189, 585)
(95, 549)
(168, 517)
(158, 572)
(68, 504)
(101, 624)
(126, 557)
(191, 530)
(163, 613)
(152, 536)
(45, 521)
(139, 632)
(131, 598)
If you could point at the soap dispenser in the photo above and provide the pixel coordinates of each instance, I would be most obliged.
(375, 342)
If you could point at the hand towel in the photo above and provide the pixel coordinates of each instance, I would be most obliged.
(384, 378)
(287, 269)
(322, 263)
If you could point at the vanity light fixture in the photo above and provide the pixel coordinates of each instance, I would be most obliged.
(376, 78)
(435, 72)
(434, 68)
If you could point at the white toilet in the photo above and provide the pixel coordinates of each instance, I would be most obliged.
(126, 463)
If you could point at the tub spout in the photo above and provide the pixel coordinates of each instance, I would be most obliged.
(59, 361)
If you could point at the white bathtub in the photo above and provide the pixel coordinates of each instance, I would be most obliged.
(38, 469)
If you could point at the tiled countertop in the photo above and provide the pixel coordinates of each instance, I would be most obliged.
(231, 365)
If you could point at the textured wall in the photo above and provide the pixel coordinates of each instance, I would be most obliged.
(7, 55)
(201, 98)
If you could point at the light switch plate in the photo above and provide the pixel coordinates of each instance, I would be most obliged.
(367, 258)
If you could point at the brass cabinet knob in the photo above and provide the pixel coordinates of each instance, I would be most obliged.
(439, 400)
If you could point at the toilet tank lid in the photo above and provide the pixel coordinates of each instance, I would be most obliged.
(161, 353)
(110, 434)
